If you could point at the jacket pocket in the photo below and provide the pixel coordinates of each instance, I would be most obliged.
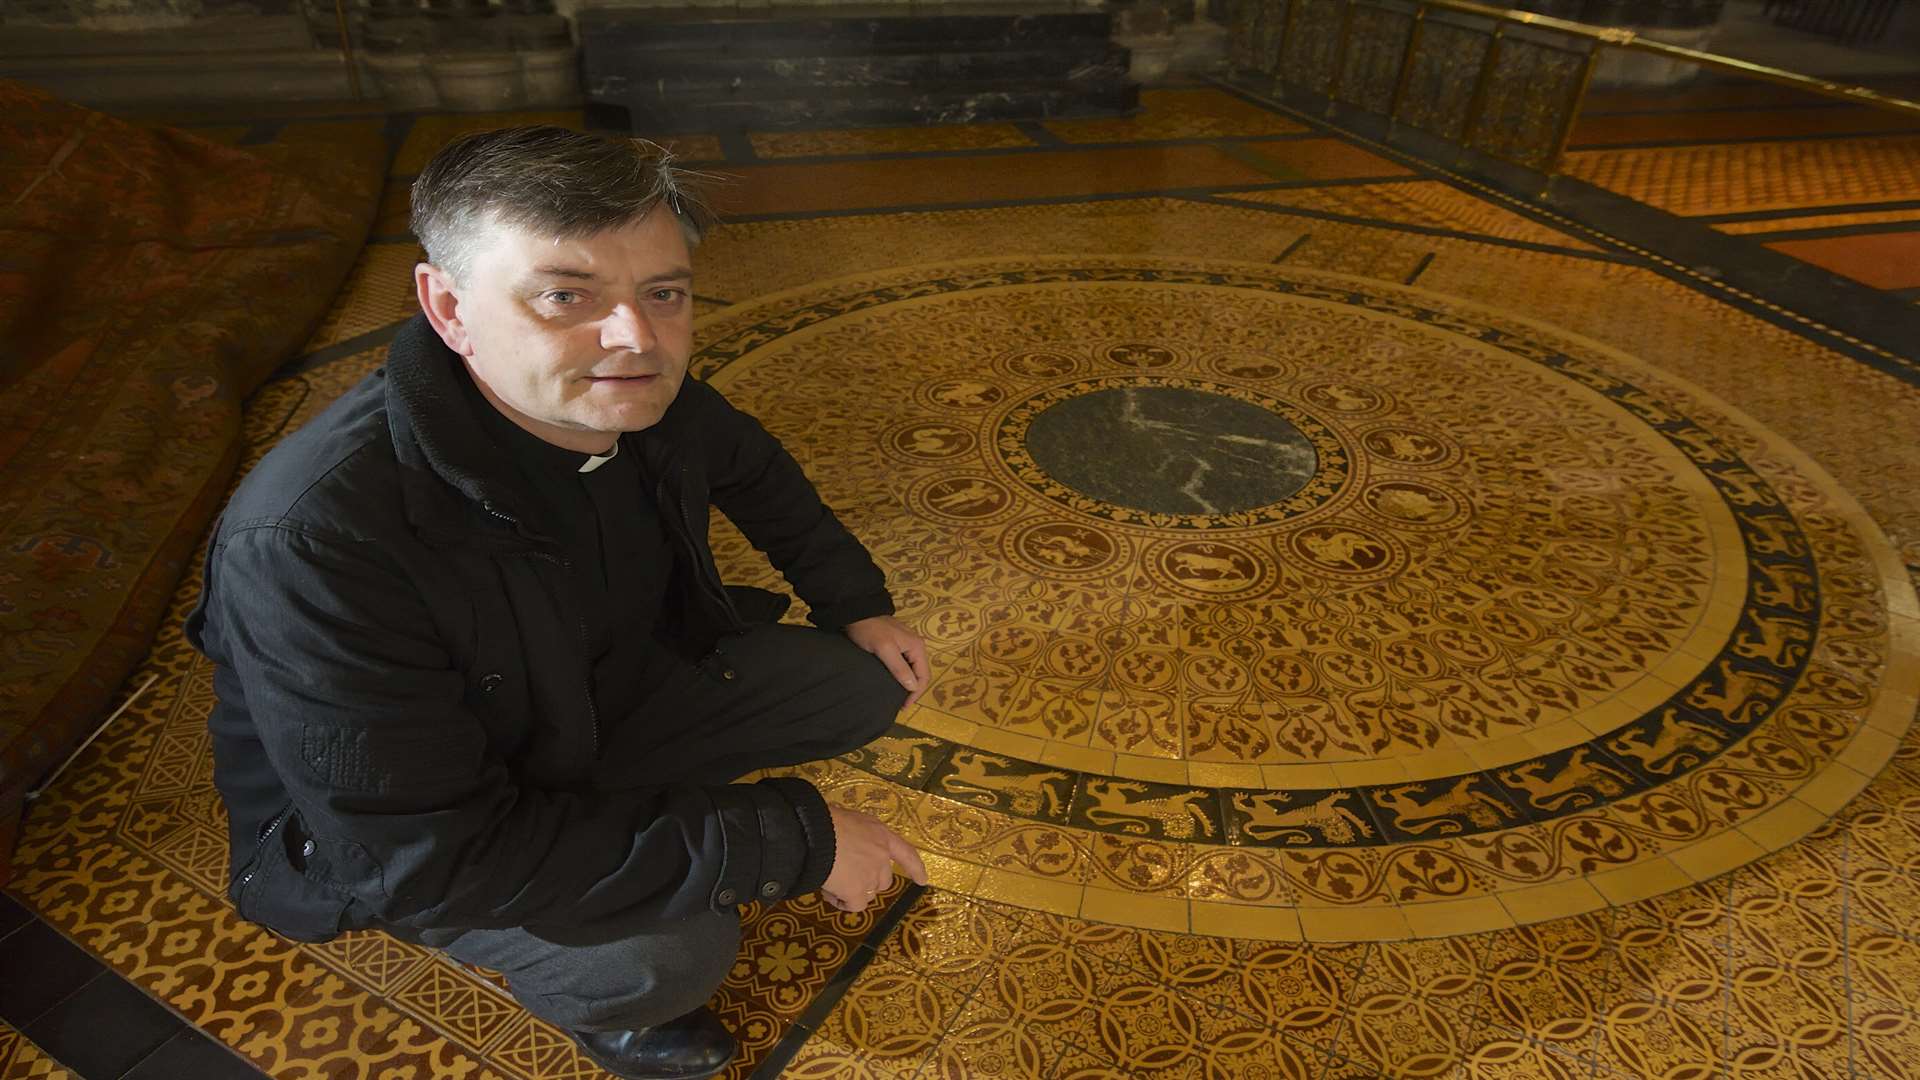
(272, 892)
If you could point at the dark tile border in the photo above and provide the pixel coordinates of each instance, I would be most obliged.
(1737, 140)
(1045, 142)
(1420, 230)
(738, 148)
(1057, 145)
(1805, 211)
(1681, 110)
(1835, 312)
(90, 1019)
(105, 1028)
(1059, 200)
(359, 343)
(1825, 232)
(1419, 268)
(192, 1056)
(1037, 131)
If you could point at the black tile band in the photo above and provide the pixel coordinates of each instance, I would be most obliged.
(87, 1017)
(1836, 313)
(358, 343)
(1735, 693)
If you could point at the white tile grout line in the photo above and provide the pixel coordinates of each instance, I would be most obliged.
(55, 774)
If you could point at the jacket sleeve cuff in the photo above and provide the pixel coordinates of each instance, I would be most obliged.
(816, 825)
(778, 838)
(839, 616)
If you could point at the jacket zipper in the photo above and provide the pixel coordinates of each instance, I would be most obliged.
(580, 626)
(261, 844)
(701, 566)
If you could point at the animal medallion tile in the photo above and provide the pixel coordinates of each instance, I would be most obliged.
(1553, 616)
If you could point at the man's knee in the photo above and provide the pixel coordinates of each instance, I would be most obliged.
(856, 697)
(635, 981)
(874, 697)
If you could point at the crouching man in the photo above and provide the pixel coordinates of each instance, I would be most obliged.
(480, 684)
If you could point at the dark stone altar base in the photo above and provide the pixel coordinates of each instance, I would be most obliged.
(778, 68)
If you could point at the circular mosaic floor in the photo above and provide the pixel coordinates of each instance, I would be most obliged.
(1283, 604)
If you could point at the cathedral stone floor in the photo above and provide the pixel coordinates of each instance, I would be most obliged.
(1379, 629)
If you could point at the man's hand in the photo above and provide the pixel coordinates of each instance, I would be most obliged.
(864, 853)
(897, 647)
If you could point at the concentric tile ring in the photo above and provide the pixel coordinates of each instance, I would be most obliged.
(1348, 528)
(1772, 677)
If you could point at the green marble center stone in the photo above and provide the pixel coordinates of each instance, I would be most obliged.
(1171, 450)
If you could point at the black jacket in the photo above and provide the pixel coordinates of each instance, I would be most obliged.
(405, 734)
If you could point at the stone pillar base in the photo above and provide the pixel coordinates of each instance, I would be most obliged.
(476, 81)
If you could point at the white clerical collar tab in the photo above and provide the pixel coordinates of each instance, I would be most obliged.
(594, 461)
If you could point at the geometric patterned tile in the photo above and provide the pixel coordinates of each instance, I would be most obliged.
(469, 1008)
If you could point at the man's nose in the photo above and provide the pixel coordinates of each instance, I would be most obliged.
(626, 328)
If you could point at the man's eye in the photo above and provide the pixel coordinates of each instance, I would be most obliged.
(667, 296)
(562, 296)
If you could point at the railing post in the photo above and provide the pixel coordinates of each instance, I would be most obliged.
(1479, 99)
(346, 47)
(1574, 105)
(1340, 56)
(1286, 36)
(1406, 68)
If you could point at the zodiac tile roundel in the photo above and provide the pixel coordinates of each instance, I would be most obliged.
(1286, 604)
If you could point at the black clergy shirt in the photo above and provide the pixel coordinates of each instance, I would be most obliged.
(610, 533)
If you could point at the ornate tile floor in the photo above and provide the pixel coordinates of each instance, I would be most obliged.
(1508, 673)
(1823, 181)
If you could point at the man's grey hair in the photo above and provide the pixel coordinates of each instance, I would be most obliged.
(548, 181)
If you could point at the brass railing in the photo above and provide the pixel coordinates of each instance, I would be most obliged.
(1506, 83)
(346, 47)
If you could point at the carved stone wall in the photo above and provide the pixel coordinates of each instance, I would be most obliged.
(134, 15)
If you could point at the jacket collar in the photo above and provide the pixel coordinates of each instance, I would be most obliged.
(430, 416)
(433, 426)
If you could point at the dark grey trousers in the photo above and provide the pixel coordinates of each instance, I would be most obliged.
(795, 694)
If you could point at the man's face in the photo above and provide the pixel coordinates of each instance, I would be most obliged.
(574, 340)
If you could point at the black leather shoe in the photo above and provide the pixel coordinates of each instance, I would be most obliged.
(693, 1046)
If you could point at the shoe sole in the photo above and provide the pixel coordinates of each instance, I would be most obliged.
(609, 1067)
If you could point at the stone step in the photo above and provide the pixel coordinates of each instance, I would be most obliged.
(752, 77)
(872, 107)
(837, 30)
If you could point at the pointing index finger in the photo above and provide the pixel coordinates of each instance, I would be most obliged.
(908, 859)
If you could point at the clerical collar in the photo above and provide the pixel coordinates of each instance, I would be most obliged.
(538, 456)
(594, 461)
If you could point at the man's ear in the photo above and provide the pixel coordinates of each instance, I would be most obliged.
(441, 303)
